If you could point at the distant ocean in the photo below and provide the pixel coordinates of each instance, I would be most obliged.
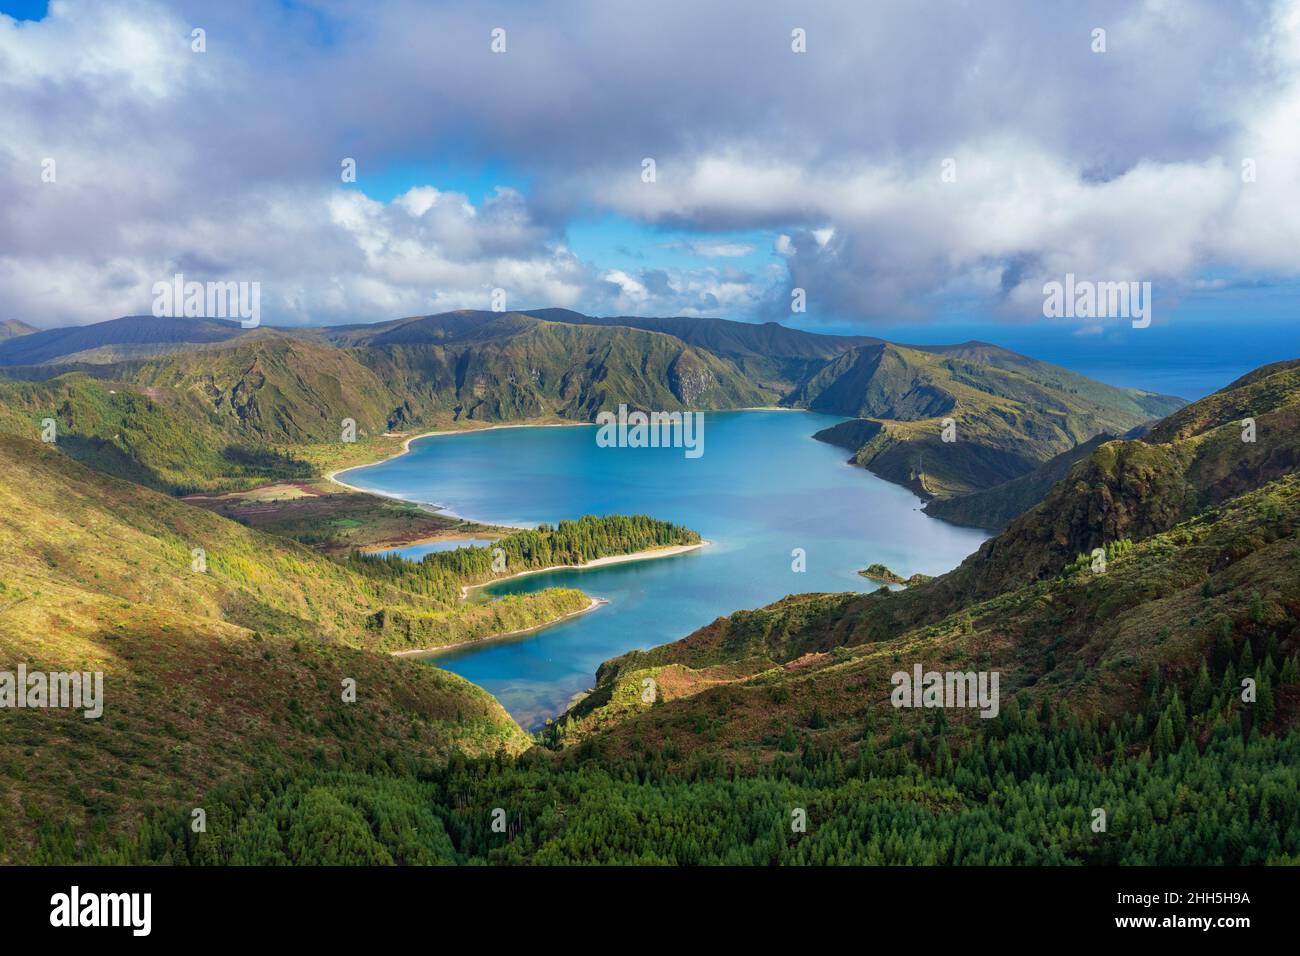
(1189, 360)
(1189, 379)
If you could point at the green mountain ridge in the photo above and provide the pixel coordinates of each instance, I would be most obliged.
(1133, 489)
(278, 397)
(942, 425)
(515, 366)
(139, 331)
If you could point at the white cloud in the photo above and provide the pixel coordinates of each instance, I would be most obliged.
(632, 294)
(911, 233)
(419, 199)
(717, 248)
(225, 164)
(107, 51)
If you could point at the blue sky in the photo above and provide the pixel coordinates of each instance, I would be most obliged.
(615, 241)
(25, 9)
(477, 183)
(918, 170)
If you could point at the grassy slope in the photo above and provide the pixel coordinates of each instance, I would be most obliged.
(208, 676)
(994, 508)
(514, 366)
(1011, 413)
(167, 440)
(69, 526)
(1092, 640)
(1132, 489)
(273, 388)
(772, 356)
(219, 418)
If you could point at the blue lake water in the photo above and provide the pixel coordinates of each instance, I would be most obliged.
(417, 551)
(762, 488)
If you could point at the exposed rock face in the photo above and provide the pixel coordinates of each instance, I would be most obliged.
(689, 379)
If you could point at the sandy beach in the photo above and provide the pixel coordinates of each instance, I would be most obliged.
(648, 555)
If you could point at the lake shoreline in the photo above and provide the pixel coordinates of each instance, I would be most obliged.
(648, 555)
(760, 462)
(406, 449)
(332, 476)
(383, 546)
(433, 651)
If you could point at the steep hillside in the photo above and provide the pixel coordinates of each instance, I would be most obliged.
(725, 337)
(1133, 401)
(1197, 594)
(996, 507)
(771, 355)
(212, 418)
(1009, 414)
(208, 676)
(1192, 460)
(134, 545)
(167, 440)
(272, 388)
(493, 367)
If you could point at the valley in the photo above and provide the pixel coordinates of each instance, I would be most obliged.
(223, 685)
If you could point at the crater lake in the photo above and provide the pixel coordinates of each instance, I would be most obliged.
(763, 488)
